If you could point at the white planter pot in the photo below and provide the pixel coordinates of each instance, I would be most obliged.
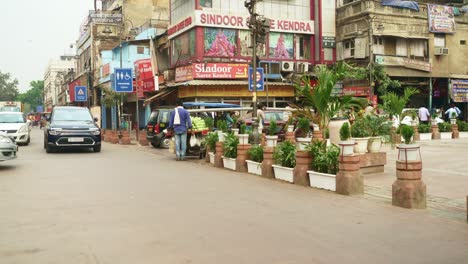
(322, 180)
(433, 122)
(347, 147)
(425, 136)
(220, 136)
(290, 128)
(408, 152)
(283, 173)
(301, 143)
(361, 145)
(243, 139)
(463, 134)
(445, 135)
(271, 141)
(254, 167)
(334, 129)
(212, 157)
(229, 163)
(374, 144)
(453, 121)
(235, 131)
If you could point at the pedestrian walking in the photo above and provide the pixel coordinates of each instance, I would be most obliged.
(424, 115)
(180, 123)
(452, 112)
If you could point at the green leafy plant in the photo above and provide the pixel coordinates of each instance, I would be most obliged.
(273, 127)
(222, 125)
(256, 153)
(345, 132)
(444, 127)
(424, 128)
(243, 128)
(210, 141)
(394, 104)
(453, 115)
(462, 126)
(325, 158)
(285, 154)
(360, 128)
(230, 145)
(209, 123)
(407, 133)
(303, 127)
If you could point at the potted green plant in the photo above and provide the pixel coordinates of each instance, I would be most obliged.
(346, 143)
(453, 118)
(209, 123)
(360, 131)
(210, 141)
(408, 151)
(379, 128)
(325, 165)
(463, 128)
(254, 163)
(272, 138)
(434, 119)
(222, 129)
(285, 161)
(230, 151)
(302, 133)
(445, 130)
(424, 132)
(243, 135)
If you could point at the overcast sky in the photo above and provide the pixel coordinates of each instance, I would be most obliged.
(35, 31)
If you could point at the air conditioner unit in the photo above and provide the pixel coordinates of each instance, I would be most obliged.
(272, 69)
(287, 66)
(441, 51)
(302, 67)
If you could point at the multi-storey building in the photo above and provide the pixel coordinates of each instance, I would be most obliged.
(421, 44)
(54, 78)
(211, 47)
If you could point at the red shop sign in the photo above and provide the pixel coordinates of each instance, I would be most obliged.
(144, 75)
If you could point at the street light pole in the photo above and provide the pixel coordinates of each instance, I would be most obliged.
(250, 4)
(371, 59)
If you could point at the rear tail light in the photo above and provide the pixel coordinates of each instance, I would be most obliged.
(149, 128)
(157, 129)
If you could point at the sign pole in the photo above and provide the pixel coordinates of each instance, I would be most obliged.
(255, 124)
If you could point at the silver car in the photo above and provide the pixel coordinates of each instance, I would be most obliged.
(8, 148)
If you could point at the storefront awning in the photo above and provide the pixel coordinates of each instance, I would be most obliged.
(161, 94)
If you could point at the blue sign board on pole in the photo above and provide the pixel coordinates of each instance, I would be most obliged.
(123, 80)
(81, 94)
(260, 80)
(39, 109)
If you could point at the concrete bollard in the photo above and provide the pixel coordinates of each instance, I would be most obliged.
(262, 139)
(267, 168)
(218, 163)
(409, 191)
(416, 133)
(290, 137)
(114, 138)
(349, 180)
(207, 156)
(317, 135)
(142, 138)
(455, 133)
(241, 165)
(303, 164)
(103, 134)
(435, 132)
(125, 140)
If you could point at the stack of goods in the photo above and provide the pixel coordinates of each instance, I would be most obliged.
(198, 124)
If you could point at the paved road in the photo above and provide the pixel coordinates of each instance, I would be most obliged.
(127, 205)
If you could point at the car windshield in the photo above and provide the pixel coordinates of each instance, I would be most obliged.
(12, 118)
(72, 114)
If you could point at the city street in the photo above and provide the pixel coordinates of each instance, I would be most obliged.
(131, 204)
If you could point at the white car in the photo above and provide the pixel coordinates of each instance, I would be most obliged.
(8, 147)
(15, 126)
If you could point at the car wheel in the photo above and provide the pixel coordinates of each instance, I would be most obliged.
(97, 148)
(49, 149)
(165, 143)
(154, 145)
(28, 141)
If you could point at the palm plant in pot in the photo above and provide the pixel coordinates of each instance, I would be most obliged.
(407, 151)
(272, 138)
(285, 161)
(230, 151)
(243, 135)
(210, 141)
(254, 163)
(379, 128)
(346, 144)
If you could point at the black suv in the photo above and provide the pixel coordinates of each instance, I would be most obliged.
(71, 127)
(157, 123)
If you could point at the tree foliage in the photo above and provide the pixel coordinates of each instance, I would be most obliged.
(394, 104)
(8, 87)
(383, 83)
(34, 96)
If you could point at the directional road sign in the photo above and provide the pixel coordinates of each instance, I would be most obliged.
(123, 80)
(260, 83)
(81, 94)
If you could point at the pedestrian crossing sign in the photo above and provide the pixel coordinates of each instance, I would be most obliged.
(81, 94)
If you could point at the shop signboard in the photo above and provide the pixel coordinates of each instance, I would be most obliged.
(144, 75)
(184, 73)
(403, 62)
(441, 18)
(328, 42)
(459, 91)
(211, 71)
(356, 90)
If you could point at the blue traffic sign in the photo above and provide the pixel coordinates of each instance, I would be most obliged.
(123, 80)
(81, 94)
(39, 109)
(260, 78)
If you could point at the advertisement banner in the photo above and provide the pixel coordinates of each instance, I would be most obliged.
(144, 75)
(184, 73)
(220, 42)
(441, 19)
(281, 46)
(460, 91)
(404, 62)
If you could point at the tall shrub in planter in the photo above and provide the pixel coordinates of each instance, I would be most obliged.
(230, 151)
(408, 151)
(346, 144)
(285, 161)
(325, 165)
(272, 138)
(360, 131)
(210, 141)
(254, 163)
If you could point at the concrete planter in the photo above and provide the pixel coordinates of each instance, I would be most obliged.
(229, 163)
(243, 139)
(283, 173)
(322, 180)
(425, 136)
(374, 144)
(212, 157)
(235, 131)
(254, 167)
(220, 136)
(453, 121)
(361, 145)
(271, 141)
(464, 134)
(347, 147)
(290, 128)
(408, 152)
(445, 135)
(301, 143)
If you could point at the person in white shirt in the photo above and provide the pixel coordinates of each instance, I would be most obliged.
(423, 115)
(452, 111)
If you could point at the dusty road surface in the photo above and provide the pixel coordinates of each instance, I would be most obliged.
(126, 205)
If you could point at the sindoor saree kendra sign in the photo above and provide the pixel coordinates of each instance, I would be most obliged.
(212, 71)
